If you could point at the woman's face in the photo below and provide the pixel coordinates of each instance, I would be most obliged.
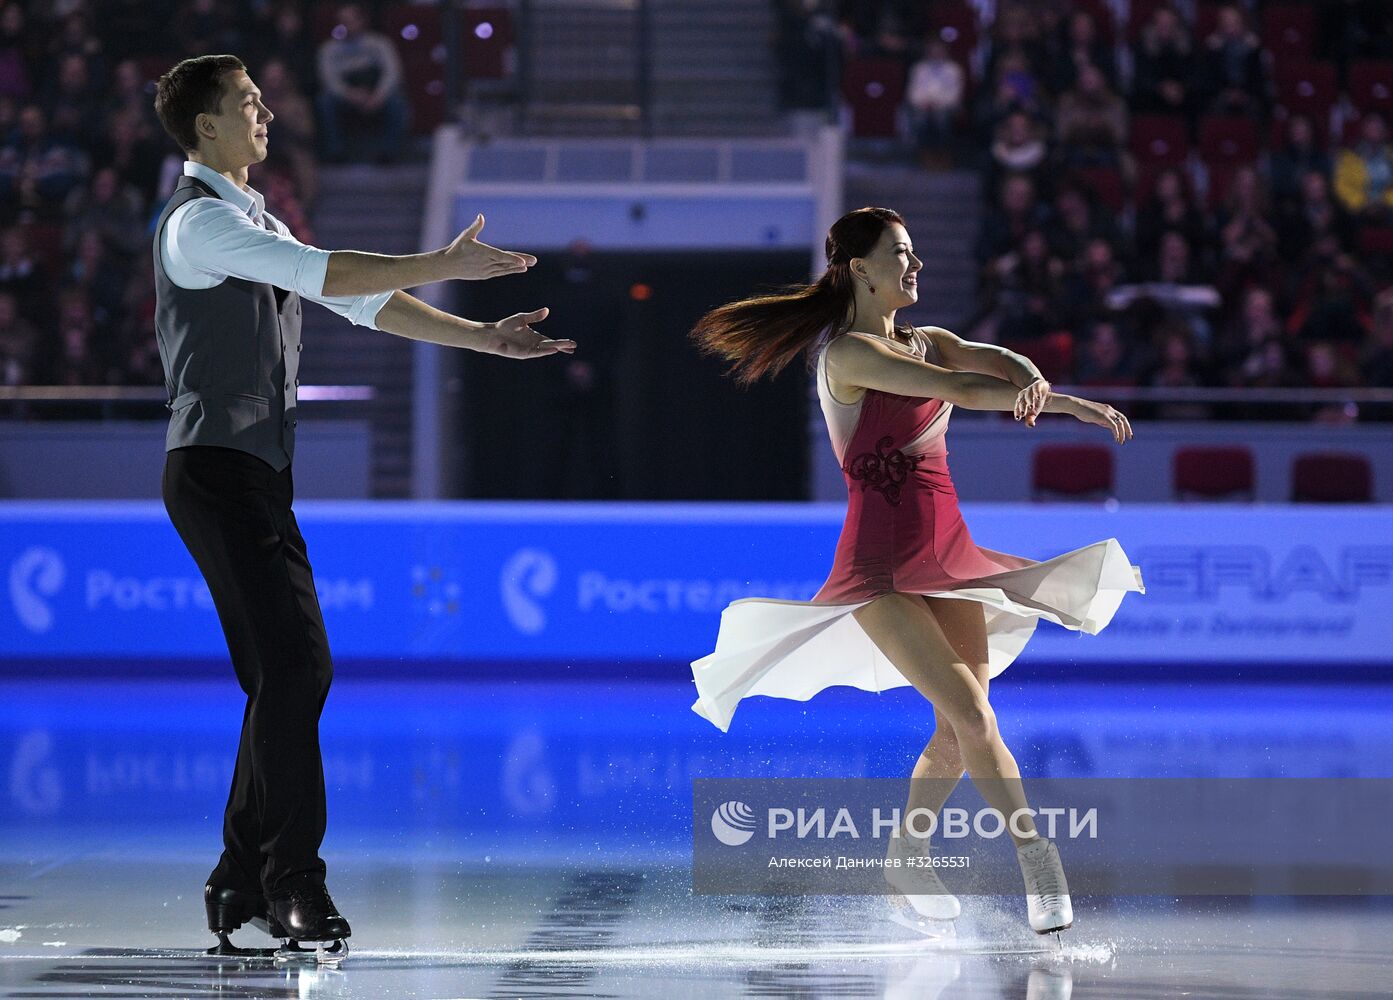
(891, 268)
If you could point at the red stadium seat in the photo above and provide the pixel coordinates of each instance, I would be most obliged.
(955, 23)
(1160, 139)
(1289, 31)
(1206, 22)
(415, 29)
(1140, 15)
(1371, 85)
(1228, 139)
(1106, 183)
(1213, 473)
(875, 89)
(1376, 241)
(1331, 477)
(1307, 88)
(487, 47)
(1071, 471)
(1053, 354)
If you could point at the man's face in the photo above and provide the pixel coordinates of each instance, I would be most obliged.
(238, 131)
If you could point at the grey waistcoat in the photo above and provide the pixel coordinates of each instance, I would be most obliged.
(231, 357)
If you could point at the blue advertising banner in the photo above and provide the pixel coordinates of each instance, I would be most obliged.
(644, 582)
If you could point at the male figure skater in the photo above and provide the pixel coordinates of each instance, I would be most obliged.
(229, 279)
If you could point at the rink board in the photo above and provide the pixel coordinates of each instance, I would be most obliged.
(1303, 586)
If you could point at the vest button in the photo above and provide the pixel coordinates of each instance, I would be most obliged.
(299, 347)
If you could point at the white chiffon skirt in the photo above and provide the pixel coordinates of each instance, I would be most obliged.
(794, 649)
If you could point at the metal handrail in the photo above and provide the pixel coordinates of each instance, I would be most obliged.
(1197, 394)
(157, 394)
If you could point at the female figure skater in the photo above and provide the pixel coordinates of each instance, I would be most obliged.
(911, 599)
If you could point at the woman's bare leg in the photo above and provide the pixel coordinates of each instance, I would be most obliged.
(904, 628)
(940, 767)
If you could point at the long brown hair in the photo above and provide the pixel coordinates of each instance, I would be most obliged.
(762, 334)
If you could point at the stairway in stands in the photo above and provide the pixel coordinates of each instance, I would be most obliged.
(377, 209)
(943, 214)
(712, 67)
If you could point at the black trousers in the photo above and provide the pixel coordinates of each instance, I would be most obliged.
(233, 512)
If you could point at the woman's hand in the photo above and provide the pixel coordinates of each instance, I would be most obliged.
(514, 338)
(475, 261)
(1104, 416)
(1030, 403)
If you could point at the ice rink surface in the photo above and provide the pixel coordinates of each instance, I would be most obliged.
(515, 840)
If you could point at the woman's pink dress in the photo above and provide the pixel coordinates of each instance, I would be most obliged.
(903, 533)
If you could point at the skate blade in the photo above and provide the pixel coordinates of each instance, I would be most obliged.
(323, 953)
(902, 911)
(226, 949)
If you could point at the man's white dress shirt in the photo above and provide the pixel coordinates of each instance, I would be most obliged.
(207, 240)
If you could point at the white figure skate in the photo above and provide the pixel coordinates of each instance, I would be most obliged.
(919, 881)
(1046, 891)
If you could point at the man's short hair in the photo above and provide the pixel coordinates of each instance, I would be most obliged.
(190, 89)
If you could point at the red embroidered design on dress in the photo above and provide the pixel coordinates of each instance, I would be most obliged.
(884, 470)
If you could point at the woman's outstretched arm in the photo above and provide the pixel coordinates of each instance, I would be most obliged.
(869, 363)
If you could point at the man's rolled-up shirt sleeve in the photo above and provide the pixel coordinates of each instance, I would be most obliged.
(360, 310)
(214, 237)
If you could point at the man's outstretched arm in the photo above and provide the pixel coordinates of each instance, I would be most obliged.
(407, 316)
(352, 272)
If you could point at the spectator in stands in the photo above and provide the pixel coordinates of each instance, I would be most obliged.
(70, 104)
(1078, 220)
(1091, 123)
(204, 26)
(1231, 66)
(19, 343)
(360, 77)
(1247, 241)
(37, 169)
(1105, 359)
(1355, 29)
(1019, 147)
(1298, 155)
(22, 274)
(75, 359)
(1080, 45)
(1164, 66)
(75, 36)
(16, 52)
(1333, 296)
(1171, 207)
(1177, 367)
(935, 99)
(100, 278)
(1016, 212)
(1024, 290)
(809, 53)
(1364, 172)
(1376, 358)
(1095, 274)
(110, 208)
(1240, 349)
(1316, 217)
(293, 152)
(1175, 261)
(288, 42)
(129, 92)
(1016, 38)
(882, 27)
(129, 147)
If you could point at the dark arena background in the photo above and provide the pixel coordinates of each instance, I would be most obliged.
(1182, 209)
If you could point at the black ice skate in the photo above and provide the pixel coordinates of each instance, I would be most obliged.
(229, 909)
(306, 914)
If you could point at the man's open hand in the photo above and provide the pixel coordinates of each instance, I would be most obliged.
(514, 338)
(475, 261)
